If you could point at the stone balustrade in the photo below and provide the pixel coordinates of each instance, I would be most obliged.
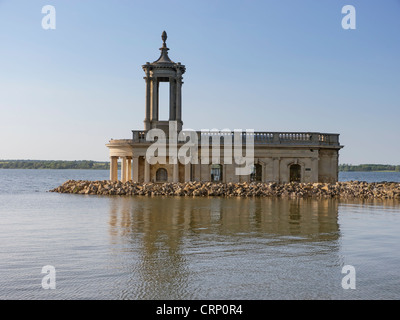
(260, 138)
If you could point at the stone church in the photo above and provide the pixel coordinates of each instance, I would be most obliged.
(277, 156)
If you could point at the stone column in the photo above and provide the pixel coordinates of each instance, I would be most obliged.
(148, 101)
(178, 100)
(205, 173)
(264, 171)
(175, 172)
(129, 171)
(188, 168)
(114, 169)
(276, 170)
(154, 100)
(135, 174)
(146, 171)
(314, 169)
(197, 172)
(123, 169)
(172, 99)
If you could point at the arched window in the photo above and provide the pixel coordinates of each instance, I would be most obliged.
(162, 175)
(256, 172)
(216, 173)
(295, 173)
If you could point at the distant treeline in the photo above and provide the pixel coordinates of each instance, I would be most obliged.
(369, 167)
(98, 165)
(53, 164)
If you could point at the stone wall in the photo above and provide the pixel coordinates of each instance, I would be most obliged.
(328, 165)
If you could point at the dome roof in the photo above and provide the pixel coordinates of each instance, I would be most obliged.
(164, 61)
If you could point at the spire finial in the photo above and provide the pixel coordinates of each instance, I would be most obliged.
(164, 38)
(164, 50)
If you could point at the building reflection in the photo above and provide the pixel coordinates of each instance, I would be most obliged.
(170, 219)
(161, 231)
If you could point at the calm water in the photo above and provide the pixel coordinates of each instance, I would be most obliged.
(192, 248)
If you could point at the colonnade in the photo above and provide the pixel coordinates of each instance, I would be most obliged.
(130, 170)
(140, 169)
(152, 97)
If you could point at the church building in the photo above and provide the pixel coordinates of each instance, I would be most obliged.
(276, 156)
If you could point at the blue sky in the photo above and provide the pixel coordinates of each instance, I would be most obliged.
(284, 65)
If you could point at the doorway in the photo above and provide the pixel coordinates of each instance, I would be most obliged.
(295, 173)
(162, 175)
(256, 173)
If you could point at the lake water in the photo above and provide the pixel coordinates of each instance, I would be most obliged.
(105, 247)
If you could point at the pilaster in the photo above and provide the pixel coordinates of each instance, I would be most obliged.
(135, 169)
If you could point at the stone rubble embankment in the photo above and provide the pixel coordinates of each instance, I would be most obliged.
(348, 189)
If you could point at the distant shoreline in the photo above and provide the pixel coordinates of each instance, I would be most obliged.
(105, 165)
(369, 168)
(55, 164)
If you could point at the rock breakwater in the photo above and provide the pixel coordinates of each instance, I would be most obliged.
(349, 189)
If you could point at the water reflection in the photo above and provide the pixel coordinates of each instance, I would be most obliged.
(169, 219)
(165, 236)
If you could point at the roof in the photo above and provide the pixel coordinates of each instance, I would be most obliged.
(164, 60)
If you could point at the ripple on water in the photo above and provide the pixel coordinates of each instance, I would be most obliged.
(204, 248)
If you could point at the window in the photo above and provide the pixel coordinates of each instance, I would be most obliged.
(216, 173)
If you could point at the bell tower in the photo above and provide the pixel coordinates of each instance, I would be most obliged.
(163, 70)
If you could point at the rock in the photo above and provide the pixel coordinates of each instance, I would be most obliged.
(325, 188)
(350, 189)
